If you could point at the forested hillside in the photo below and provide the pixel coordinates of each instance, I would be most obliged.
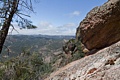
(32, 57)
(43, 44)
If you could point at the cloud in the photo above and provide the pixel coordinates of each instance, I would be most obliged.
(70, 25)
(44, 25)
(75, 13)
(47, 28)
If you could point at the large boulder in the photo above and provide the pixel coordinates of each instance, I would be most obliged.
(101, 26)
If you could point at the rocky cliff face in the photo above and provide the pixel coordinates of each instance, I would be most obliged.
(101, 27)
(104, 65)
(99, 30)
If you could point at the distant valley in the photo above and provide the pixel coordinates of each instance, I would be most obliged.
(42, 44)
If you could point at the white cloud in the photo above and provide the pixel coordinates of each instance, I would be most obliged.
(70, 25)
(44, 25)
(47, 28)
(75, 13)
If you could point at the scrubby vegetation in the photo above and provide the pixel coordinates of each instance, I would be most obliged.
(36, 59)
(27, 67)
(72, 50)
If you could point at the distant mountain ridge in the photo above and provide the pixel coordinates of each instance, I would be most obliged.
(18, 43)
(49, 36)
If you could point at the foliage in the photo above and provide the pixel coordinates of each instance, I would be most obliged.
(22, 9)
(12, 11)
(28, 67)
(31, 65)
(77, 54)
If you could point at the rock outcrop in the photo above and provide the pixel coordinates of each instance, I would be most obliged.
(101, 27)
(100, 30)
(70, 47)
(104, 65)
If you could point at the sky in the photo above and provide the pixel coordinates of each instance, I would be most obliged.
(58, 17)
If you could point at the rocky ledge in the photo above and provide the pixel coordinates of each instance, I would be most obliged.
(104, 65)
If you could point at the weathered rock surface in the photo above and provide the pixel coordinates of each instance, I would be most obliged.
(101, 27)
(104, 65)
(99, 30)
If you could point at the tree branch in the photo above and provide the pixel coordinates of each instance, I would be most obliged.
(13, 28)
(23, 14)
(8, 50)
(24, 4)
(19, 16)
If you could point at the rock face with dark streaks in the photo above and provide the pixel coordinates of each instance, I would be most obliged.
(101, 27)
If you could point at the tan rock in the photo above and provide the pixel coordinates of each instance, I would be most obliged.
(98, 66)
(85, 50)
(101, 27)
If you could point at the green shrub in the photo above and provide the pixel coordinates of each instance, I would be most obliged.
(25, 68)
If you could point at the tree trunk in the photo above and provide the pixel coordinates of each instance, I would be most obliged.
(7, 23)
